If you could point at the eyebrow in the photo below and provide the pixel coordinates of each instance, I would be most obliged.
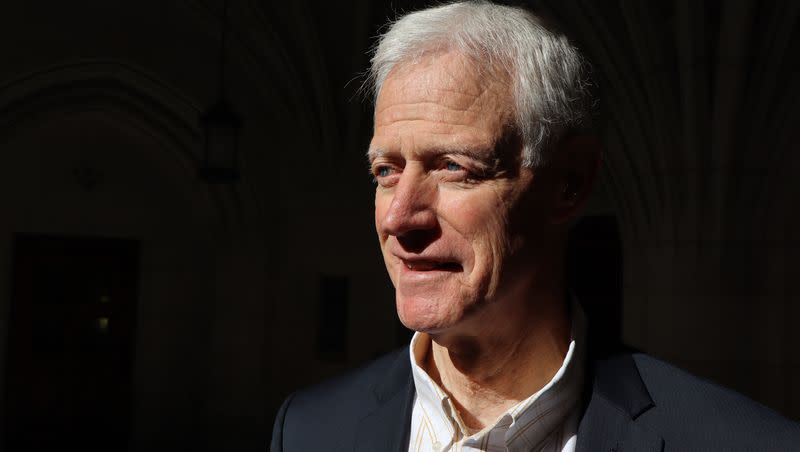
(476, 153)
(373, 153)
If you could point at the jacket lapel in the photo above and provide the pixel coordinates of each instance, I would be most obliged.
(616, 398)
(387, 427)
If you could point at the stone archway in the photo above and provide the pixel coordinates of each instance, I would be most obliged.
(198, 249)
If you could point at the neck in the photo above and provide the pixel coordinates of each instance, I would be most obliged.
(491, 369)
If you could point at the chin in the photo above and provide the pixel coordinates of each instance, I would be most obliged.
(412, 314)
(424, 314)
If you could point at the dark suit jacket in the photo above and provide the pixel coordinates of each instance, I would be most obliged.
(632, 402)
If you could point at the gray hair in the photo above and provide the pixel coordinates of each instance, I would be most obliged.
(550, 77)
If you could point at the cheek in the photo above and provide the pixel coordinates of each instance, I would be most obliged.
(492, 248)
(465, 213)
(493, 243)
(480, 222)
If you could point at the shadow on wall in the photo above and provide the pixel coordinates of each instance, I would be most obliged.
(594, 275)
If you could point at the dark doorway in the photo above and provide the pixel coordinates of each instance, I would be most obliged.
(70, 347)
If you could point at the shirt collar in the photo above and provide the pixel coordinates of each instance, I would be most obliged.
(524, 425)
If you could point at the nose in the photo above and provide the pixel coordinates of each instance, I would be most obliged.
(411, 209)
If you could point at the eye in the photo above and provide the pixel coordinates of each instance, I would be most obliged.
(383, 174)
(451, 171)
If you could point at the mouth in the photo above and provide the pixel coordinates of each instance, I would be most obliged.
(428, 266)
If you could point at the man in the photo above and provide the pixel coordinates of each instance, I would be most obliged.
(481, 155)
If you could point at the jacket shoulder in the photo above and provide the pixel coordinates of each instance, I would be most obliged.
(327, 414)
(691, 412)
(353, 386)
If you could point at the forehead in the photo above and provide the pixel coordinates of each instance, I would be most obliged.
(443, 76)
(441, 99)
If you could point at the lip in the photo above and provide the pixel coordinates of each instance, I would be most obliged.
(417, 267)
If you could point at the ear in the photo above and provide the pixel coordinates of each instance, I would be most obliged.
(576, 163)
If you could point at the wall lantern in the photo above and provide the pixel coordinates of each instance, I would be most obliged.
(221, 150)
(220, 161)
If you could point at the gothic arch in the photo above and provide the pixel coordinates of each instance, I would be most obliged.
(131, 99)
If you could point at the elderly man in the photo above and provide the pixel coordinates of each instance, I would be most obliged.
(481, 155)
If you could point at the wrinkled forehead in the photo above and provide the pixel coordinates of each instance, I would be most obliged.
(442, 102)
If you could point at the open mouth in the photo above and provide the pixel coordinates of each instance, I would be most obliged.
(424, 266)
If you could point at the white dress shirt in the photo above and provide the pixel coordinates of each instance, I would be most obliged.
(546, 421)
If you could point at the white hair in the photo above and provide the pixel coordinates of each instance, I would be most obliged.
(549, 76)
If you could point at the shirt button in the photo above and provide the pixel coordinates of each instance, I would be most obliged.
(437, 445)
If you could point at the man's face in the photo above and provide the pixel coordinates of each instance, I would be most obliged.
(453, 203)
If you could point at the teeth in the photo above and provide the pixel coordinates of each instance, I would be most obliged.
(420, 266)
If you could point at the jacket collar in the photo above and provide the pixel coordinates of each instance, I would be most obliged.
(388, 425)
(613, 401)
(614, 397)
